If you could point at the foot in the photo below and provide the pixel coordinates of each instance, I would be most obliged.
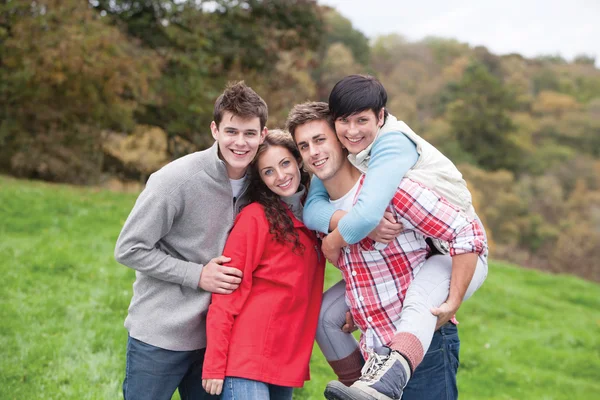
(336, 390)
(383, 378)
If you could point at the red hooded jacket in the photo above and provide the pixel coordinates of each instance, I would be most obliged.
(265, 329)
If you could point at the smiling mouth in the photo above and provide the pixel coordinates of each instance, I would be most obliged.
(239, 152)
(354, 140)
(285, 184)
(320, 162)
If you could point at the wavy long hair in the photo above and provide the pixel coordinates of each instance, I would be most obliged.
(281, 225)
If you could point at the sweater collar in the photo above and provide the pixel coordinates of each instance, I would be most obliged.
(218, 170)
(295, 202)
(295, 205)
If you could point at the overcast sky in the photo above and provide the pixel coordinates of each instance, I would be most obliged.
(528, 27)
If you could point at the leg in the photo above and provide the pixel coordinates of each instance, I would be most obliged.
(415, 331)
(339, 348)
(244, 389)
(280, 392)
(429, 289)
(190, 387)
(153, 373)
(435, 377)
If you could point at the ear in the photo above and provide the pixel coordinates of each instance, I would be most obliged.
(380, 117)
(214, 129)
(263, 134)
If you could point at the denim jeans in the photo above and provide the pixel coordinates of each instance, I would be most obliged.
(435, 377)
(246, 389)
(153, 373)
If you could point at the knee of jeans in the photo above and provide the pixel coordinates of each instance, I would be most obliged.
(426, 297)
(331, 317)
(333, 308)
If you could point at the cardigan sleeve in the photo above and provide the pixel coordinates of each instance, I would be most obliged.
(392, 155)
(244, 246)
(318, 210)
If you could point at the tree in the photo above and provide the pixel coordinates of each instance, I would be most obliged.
(66, 75)
(341, 39)
(557, 104)
(445, 50)
(204, 44)
(339, 29)
(585, 59)
(479, 114)
(338, 63)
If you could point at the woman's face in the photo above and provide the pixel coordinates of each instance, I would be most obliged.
(357, 131)
(279, 170)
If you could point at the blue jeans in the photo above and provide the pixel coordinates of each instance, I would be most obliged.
(435, 377)
(153, 373)
(246, 389)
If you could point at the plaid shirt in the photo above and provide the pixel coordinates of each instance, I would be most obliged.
(377, 276)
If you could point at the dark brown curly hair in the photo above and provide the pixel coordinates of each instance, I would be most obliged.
(281, 225)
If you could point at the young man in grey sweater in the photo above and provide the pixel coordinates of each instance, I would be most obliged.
(174, 238)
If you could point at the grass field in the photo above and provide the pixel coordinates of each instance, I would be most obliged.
(63, 299)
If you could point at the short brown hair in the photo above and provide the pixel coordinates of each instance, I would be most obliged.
(242, 101)
(308, 112)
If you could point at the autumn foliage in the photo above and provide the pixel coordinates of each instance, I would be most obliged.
(90, 91)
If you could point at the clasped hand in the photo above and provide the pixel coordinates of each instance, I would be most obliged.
(217, 278)
(385, 232)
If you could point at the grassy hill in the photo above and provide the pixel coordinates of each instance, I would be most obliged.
(63, 299)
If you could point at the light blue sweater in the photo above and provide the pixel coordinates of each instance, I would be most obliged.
(392, 155)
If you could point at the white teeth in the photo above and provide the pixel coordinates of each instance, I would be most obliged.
(239, 153)
(320, 162)
(285, 184)
(354, 140)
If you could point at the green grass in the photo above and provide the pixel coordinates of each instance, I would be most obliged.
(63, 299)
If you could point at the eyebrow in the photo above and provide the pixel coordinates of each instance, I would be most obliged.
(312, 138)
(235, 129)
(280, 161)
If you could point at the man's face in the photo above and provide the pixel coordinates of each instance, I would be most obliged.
(357, 131)
(238, 140)
(322, 153)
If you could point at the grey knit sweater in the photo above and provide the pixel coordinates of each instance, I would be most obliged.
(179, 222)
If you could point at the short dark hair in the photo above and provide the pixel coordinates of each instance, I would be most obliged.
(307, 112)
(242, 101)
(357, 93)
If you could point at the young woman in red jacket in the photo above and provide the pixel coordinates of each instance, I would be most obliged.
(260, 337)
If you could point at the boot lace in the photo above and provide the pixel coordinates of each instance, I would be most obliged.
(373, 365)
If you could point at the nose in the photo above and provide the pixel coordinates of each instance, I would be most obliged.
(280, 174)
(240, 140)
(352, 128)
(314, 150)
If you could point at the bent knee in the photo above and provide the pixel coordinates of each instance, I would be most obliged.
(333, 317)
